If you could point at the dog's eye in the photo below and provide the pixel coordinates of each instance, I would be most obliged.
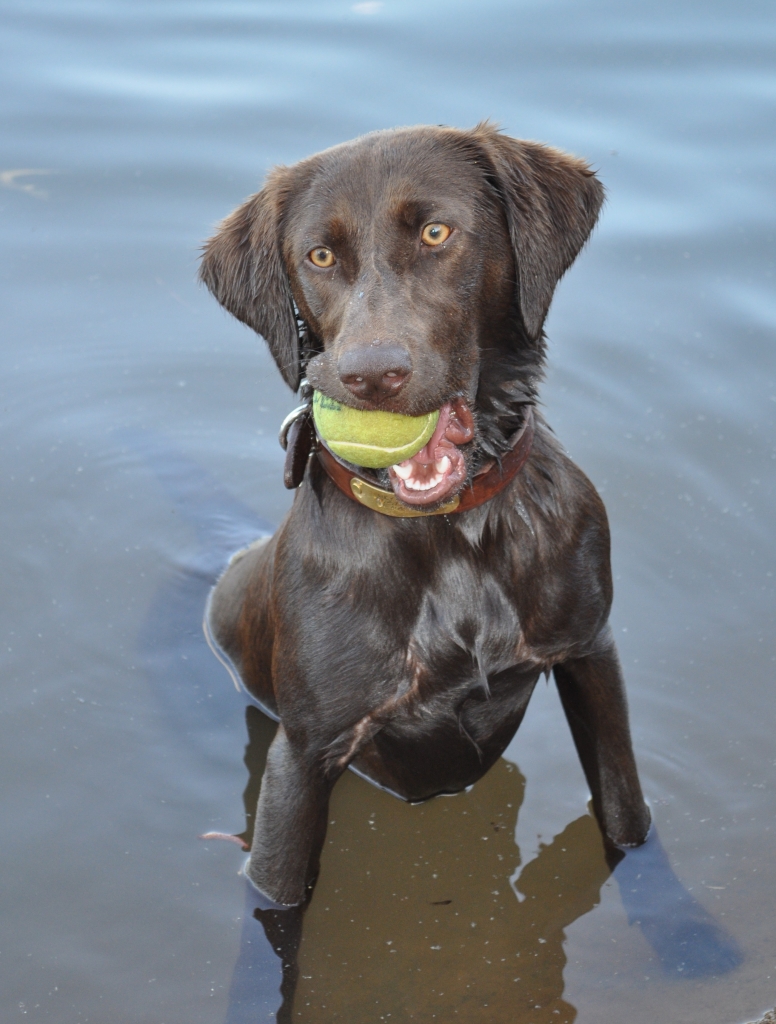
(435, 234)
(321, 257)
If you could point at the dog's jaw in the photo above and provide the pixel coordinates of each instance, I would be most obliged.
(439, 469)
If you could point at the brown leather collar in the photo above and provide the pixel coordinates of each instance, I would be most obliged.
(488, 482)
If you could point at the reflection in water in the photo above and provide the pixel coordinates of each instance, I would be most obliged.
(686, 938)
(414, 915)
(421, 912)
(255, 993)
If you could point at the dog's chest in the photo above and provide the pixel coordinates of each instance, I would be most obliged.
(466, 634)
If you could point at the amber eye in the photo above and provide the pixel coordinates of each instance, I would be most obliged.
(435, 234)
(321, 257)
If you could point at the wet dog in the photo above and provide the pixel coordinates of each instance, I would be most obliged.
(398, 620)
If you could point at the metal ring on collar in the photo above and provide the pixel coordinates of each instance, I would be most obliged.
(288, 422)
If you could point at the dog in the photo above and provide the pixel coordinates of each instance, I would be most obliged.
(398, 620)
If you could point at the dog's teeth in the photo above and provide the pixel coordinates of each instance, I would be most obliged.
(404, 472)
(442, 465)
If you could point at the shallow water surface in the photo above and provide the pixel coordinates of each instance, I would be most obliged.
(139, 450)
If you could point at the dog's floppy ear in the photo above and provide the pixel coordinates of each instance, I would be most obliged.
(552, 201)
(242, 265)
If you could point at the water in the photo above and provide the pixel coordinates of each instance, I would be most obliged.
(139, 449)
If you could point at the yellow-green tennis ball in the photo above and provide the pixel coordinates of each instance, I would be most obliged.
(371, 439)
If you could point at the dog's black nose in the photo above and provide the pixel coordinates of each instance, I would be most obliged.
(376, 371)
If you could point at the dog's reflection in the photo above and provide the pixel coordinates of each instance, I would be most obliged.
(425, 912)
(414, 915)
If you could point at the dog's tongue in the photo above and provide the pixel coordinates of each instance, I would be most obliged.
(439, 468)
(426, 454)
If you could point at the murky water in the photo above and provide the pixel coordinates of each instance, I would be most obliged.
(139, 449)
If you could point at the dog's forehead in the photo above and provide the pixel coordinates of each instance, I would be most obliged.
(398, 174)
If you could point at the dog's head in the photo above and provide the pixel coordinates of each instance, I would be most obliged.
(423, 262)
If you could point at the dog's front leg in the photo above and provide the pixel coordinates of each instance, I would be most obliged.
(290, 822)
(592, 691)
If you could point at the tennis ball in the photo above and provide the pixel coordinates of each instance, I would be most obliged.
(371, 439)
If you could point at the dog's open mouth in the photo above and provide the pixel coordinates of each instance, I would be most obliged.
(439, 468)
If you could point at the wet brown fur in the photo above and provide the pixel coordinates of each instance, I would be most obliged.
(409, 648)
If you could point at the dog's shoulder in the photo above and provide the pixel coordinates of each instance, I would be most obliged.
(553, 495)
(560, 552)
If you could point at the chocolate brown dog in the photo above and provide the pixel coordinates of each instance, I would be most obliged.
(398, 620)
